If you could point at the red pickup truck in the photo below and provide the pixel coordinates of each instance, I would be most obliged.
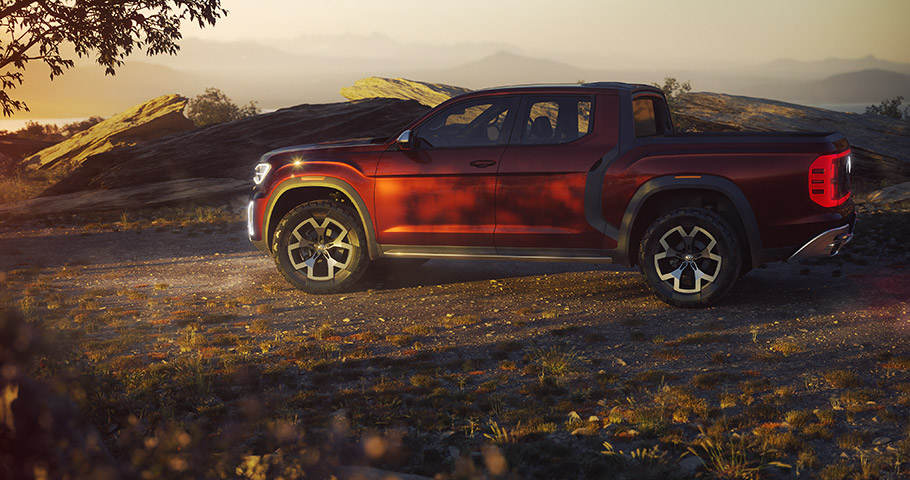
(589, 173)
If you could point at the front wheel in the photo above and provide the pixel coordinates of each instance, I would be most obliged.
(690, 257)
(320, 247)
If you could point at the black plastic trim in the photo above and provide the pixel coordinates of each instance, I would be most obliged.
(326, 182)
(594, 183)
(706, 182)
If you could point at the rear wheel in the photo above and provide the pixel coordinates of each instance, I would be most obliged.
(320, 247)
(690, 257)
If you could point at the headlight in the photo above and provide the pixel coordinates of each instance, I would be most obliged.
(249, 219)
(261, 171)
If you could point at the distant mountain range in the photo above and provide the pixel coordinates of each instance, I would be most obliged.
(312, 69)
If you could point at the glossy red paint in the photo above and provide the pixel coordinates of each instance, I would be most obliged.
(540, 188)
(776, 199)
(436, 197)
(294, 170)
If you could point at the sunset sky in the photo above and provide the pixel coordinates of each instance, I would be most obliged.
(324, 43)
(716, 31)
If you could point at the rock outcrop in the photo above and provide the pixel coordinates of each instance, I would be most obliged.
(130, 198)
(889, 195)
(156, 118)
(881, 145)
(13, 148)
(230, 150)
(429, 94)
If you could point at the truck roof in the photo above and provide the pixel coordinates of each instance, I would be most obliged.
(605, 87)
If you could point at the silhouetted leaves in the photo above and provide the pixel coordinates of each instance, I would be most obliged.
(109, 31)
(890, 108)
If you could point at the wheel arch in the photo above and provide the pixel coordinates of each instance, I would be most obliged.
(659, 195)
(299, 190)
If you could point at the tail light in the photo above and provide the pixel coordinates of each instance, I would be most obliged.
(829, 179)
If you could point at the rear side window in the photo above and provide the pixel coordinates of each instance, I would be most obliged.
(645, 120)
(651, 116)
(556, 119)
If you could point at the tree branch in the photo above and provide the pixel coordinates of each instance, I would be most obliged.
(15, 6)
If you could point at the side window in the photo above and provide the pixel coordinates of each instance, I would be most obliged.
(556, 119)
(645, 119)
(472, 124)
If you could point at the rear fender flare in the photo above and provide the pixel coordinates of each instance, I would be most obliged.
(703, 182)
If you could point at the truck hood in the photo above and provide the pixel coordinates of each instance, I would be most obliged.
(356, 145)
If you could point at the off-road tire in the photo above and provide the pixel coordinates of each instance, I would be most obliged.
(690, 257)
(320, 247)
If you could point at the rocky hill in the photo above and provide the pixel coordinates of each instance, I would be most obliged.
(230, 150)
(429, 94)
(153, 119)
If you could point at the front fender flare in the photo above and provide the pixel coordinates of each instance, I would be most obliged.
(310, 181)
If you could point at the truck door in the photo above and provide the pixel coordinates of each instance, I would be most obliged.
(540, 190)
(441, 191)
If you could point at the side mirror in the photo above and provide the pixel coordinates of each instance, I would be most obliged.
(404, 140)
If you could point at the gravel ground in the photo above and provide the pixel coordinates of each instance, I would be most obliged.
(789, 323)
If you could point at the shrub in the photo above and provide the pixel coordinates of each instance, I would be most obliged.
(674, 90)
(890, 108)
(214, 106)
(71, 129)
(36, 131)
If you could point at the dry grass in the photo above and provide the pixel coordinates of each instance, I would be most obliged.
(842, 378)
(21, 187)
(418, 329)
(325, 331)
(851, 440)
(452, 321)
(786, 347)
(399, 340)
(260, 326)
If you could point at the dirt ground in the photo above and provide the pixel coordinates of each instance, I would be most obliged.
(518, 345)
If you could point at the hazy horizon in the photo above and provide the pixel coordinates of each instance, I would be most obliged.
(713, 31)
(281, 52)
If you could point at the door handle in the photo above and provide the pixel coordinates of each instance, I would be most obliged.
(483, 163)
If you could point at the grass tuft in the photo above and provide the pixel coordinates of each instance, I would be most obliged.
(786, 347)
(451, 321)
(842, 378)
